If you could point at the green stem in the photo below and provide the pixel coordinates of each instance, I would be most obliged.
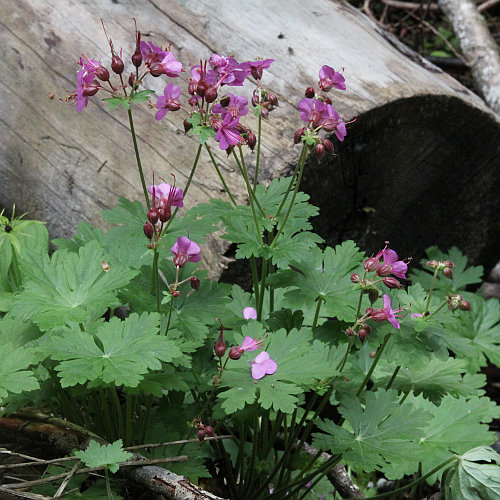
(118, 409)
(403, 399)
(138, 158)
(155, 281)
(255, 278)
(128, 419)
(14, 268)
(350, 342)
(108, 485)
(316, 314)
(431, 289)
(302, 162)
(169, 315)
(396, 371)
(414, 483)
(220, 175)
(374, 364)
(243, 170)
(147, 417)
(262, 289)
(257, 162)
(110, 431)
(437, 310)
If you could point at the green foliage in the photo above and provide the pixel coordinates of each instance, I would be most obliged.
(469, 478)
(108, 456)
(385, 435)
(204, 130)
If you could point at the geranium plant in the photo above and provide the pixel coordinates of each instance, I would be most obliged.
(331, 358)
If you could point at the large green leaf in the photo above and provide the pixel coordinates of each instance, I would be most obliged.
(107, 456)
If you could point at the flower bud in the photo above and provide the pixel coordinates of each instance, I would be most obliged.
(102, 73)
(164, 213)
(264, 113)
(192, 86)
(350, 332)
(320, 150)
(373, 295)
(131, 79)
(297, 137)
(362, 333)
(273, 99)
(448, 272)
(220, 348)
(201, 88)
(193, 100)
(448, 263)
(327, 100)
(153, 215)
(210, 430)
(195, 282)
(255, 100)
(465, 305)
(257, 72)
(371, 264)
(329, 125)
(310, 92)
(90, 89)
(187, 126)
(211, 94)
(235, 352)
(328, 146)
(148, 229)
(175, 293)
(117, 65)
(432, 264)
(355, 278)
(379, 315)
(391, 282)
(251, 140)
(201, 434)
(384, 270)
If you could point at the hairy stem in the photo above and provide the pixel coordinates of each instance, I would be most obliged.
(138, 158)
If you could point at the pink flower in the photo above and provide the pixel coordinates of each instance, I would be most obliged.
(257, 67)
(226, 132)
(312, 111)
(249, 344)
(185, 251)
(236, 107)
(391, 263)
(249, 313)
(169, 101)
(86, 86)
(167, 195)
(160, 62)
(329, 78)
(386, 313)
(229, 72)
(415, 315)
(332, 123)
(263, 365)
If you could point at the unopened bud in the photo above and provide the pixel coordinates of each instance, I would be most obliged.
(235, 352)
(257, 72)
(384, 270)
(371, 264)
(273, 99)
(102, 73)
(117, 65)
(153, 215)
(310, 92)
(264, 112)
(432, 264)
(350, 332)
(176, 293)
(192, 86)
(327, 100)
(373, 295)
(329, 125)
(355, 278)
(210, 430)
(251, 140)
(211, 94)
(195, 282)
(297, 137)
(448, 272)
(362, 333)
(448, 263)
(187, 126)
(201, 434)
(148, 230)
(220, 348)
(131, 79)
(465, 305)
(201, 88)
(328, 146)
(164, 213)
(255, 100)
(320, 150)
(391, 282)
(137, 58)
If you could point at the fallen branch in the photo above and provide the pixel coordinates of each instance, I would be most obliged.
(24, 494)
(486, 5)
(398, 4)
(478, 46)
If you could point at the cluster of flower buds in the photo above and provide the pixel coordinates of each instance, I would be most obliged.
(456, 301)
(318, 112)
(446, 266)
(204, 430)
(361, 330)
(266, 100)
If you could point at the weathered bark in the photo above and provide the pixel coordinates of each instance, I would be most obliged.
(50, 155)
(478, 46)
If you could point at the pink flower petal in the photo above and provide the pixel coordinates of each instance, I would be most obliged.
(249, 313)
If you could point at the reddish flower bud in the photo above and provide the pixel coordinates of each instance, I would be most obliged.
(355, 278)
(131, 79)
(329, 125)
(251, 140)
(175, 293)
(448, 263)
(201, 88)
(372, 296)
(297, 137)
(192, 86)
(328, 146)
(384, 270)
(273, 99)
(432, 264)
(264, 113)
(255, 100)
(362, 333)
(465, 305)
(193, 100)
(201, 434)
(310, 92)
(148, 229)
(350, 332)
(257, 72)
(102, 73)
(371, 264)
(195, 282)
(379, 315)
(320, 150)
(327, 100)
(210, 430)
(117, 65)
(211, 94)
(164, 213)
(235, 352)
(137, 58)
(153, 215)
(448, 272)
(187, 126)
(391, 282)
(224, 102)
(90, 89)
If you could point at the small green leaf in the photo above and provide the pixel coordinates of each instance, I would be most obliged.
(143, 95)
(108, 456)
(115, 101)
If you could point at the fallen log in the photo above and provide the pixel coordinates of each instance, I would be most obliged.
(423, 150)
